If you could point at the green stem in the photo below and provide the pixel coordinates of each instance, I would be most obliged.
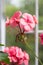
(33, 53)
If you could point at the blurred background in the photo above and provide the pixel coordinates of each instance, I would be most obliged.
(11, 6)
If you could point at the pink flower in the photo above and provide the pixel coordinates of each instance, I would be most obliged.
(27, 23)
(26, 58)
(41, 38)
(16, 55)
(14, 20)
(35, 19)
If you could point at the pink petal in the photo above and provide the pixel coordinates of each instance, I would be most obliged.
(22, 22)
(14, 19)
(27, 28)
(14, 59)
(28, 17)
(29, 22)
(26, 56)
(20, 61)
(32, 25)
(35, 19)
(13, 23)
(19, 53)
(6, 50)
(26, 62)
(17, 14)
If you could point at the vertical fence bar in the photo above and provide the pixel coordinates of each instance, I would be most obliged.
(2, 3)
(0, 21)
(36, 33)
(3, 33)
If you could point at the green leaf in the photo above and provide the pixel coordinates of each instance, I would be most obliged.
(4, 57)
(1, 44)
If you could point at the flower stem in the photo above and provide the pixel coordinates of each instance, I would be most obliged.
(33, 52)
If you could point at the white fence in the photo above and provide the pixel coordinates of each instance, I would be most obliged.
(2, 28)
(2, 24)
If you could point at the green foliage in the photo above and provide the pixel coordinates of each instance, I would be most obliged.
(41, 22)
(11, 36)
(10, 10)
(4, 57)
(1, 44)
(40, 7)
(29, 6)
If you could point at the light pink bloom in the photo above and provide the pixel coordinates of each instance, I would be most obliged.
(35, 19)
(26, 58)
(27, 23)
(14, 20)
(16, 55)
(19, 53)
(6, 50)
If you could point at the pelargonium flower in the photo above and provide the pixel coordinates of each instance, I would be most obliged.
(16, 55)
(26, 57)
(27, 23)
(41, 38)
(14, 20)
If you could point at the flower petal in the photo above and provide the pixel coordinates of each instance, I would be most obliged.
(35, 19)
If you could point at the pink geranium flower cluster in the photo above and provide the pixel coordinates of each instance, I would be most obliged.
(16, 55)
(25, 21)
(41, 38)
